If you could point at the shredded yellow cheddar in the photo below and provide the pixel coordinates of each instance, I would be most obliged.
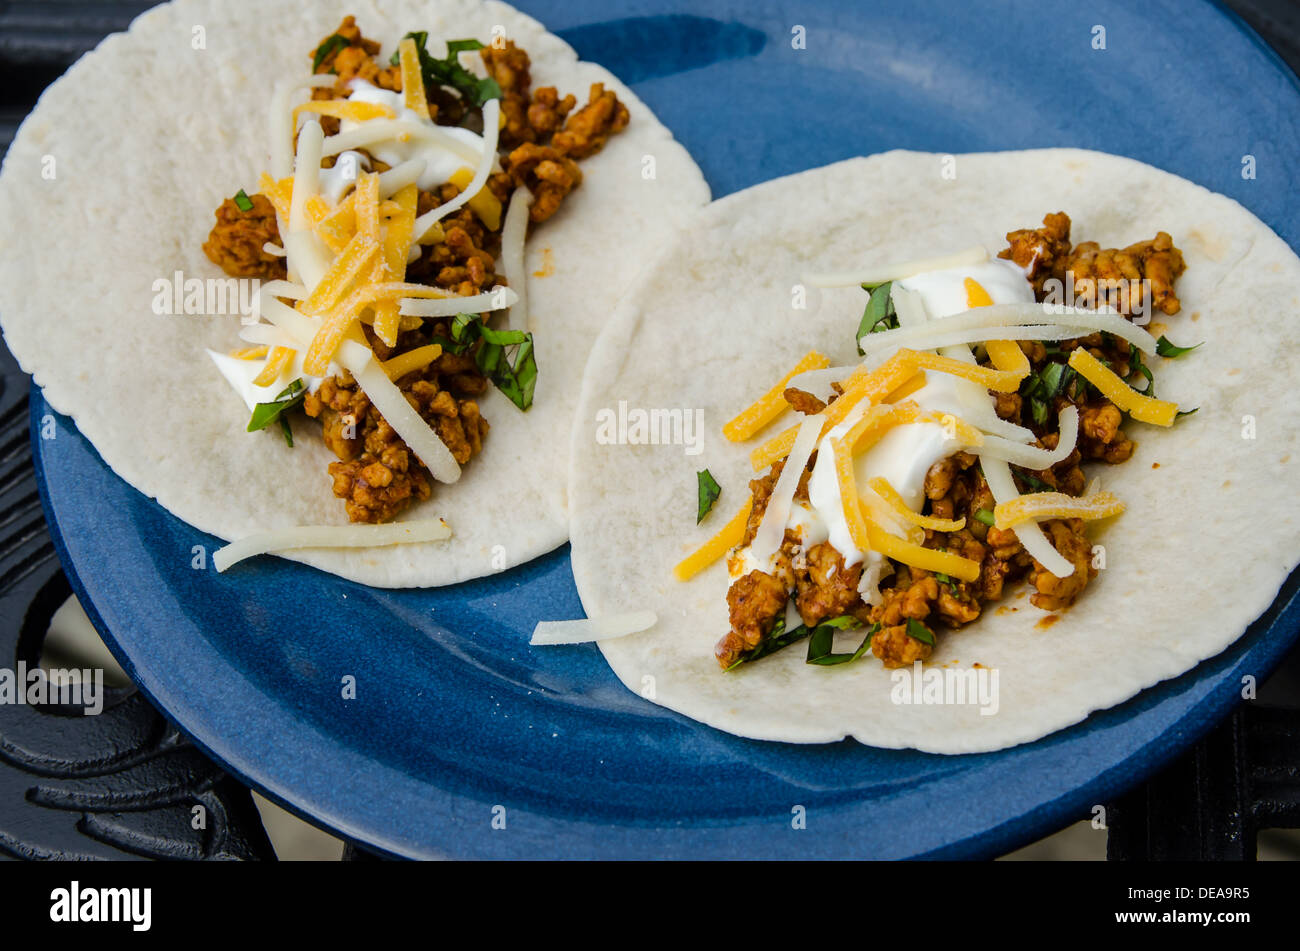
(413, 94)
(928, 559)
(484, 204)
(727, 538)
(1041, 505)
(276, 362)
(896, 504)
(1144, 409)
(772, 403)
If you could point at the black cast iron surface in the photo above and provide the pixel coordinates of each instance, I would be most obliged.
(126, 784)
(123, 783)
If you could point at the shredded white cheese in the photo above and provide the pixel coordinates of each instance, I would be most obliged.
(283, 289)
(306, 174)
(282, 120)
(499, 298)
(382, 130)
(998, 475)
(307, 258)
(909, 306)
(406, 422)
(771, 530)
(513, 231)
(298, 326)
(1008, 322)
(586, 630)
(491, 128)
(330, 536)
(399, 176)
(1032, 457)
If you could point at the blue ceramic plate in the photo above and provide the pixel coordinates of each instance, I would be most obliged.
(455, 719)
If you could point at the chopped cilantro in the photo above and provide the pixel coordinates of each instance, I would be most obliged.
(264, 414)
(449, 72)
(879, 313)
(1167, 349)
(918, 631)
(331, 44)
(823, 639)
(774, 641)
(515, 377)
(709, 490)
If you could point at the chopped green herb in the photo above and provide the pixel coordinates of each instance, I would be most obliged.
(455, 47)
(1135, 365)
(1059, 381)
(844, 622)
(918, 631)
(774, 642)
(1035, 483)
(985, 516)
(1185, 412)
(264, 414)
(449, 72)
(1044, 385)
(709, 490)
(879, 313)
(819, 646)
(331, 44)
(823, 640)
(242, 201)
(942, 578)
(515, 377)
(1051, 376)
(1167, 349)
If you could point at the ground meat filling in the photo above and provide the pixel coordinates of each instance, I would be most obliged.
(376, 475)
(545, 137)
(237, 240)
(356, 60)
(1111, 276)
(955, 488)
(464, 261)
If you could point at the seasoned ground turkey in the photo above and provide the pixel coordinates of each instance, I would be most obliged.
(955, 488)
(236, 241)
(1100, 275)
(377, 476)
(356, 60)
(465, 260)
(542, 132)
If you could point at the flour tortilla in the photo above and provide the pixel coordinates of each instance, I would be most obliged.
(1208, 538)
(148, 135)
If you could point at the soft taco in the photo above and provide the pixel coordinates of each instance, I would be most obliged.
(967, 476)
(423, 216)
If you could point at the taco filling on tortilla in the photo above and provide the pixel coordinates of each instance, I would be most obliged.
(950, 463)
(389, 232)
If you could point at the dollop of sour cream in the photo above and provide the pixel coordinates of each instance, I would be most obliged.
(944, 292)
(335, 181)
(904, 455)
(241, 373)
(440, 162)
